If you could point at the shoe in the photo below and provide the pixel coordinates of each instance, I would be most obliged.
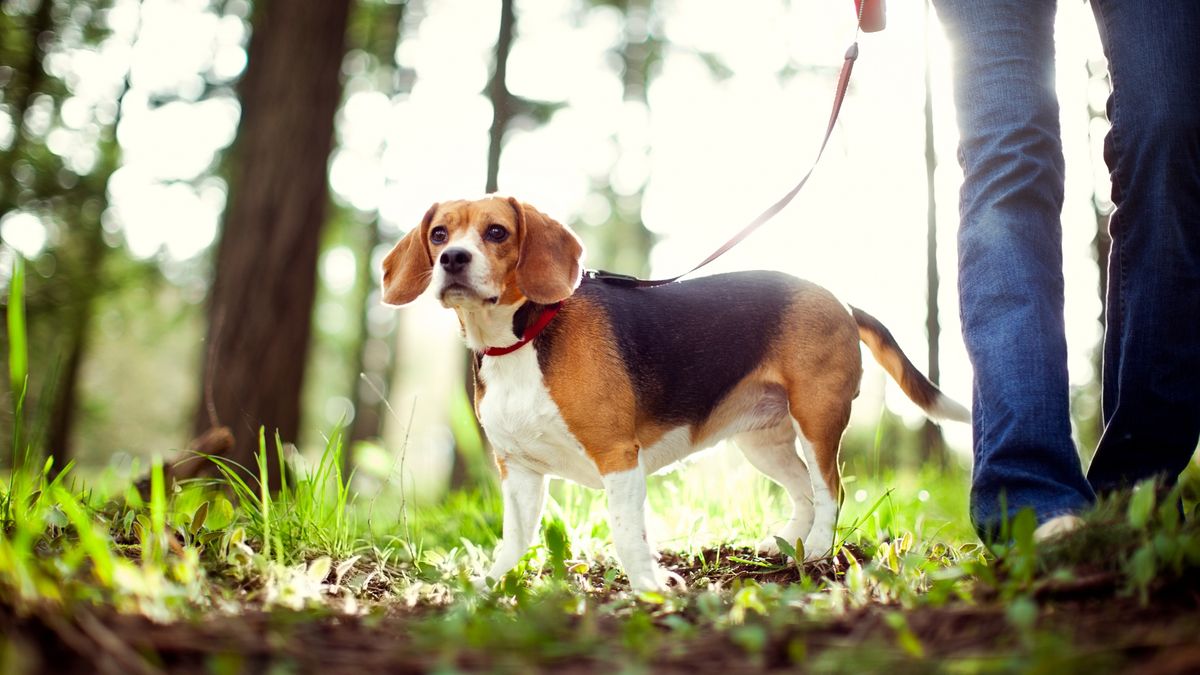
(1057, 528)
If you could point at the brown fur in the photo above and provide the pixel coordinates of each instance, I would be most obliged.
(547, 270)
(883, 346)
(816, 365)
(592, 390)
(406, 268)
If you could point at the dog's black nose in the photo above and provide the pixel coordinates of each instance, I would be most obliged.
(453, 260)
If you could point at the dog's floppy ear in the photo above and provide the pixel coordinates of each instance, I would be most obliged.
(408, 268)
(548, 265)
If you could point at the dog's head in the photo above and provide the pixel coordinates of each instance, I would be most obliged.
(484, 252)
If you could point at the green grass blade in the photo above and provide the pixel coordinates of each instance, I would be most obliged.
(18, 346)
(283, 482)
(264, 491)
(92, 539)
(158, 513)
(18, 359)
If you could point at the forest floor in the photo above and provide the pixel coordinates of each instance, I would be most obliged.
(210, 578)
(1084, 625)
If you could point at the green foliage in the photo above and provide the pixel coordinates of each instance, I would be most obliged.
(903, 560)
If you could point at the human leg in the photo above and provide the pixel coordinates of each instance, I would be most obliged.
(1151, 395)
(1010, 259)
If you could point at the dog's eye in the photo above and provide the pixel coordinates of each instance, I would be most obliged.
(495, 233)
(439, 235)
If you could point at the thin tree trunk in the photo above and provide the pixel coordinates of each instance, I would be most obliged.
(1101, 246)
(367, 397)
(501, 98)
(933, 444)
(502, 113)
(266, 262)
(366, 418)
(630, 248)
(66, 395)
(66, 401)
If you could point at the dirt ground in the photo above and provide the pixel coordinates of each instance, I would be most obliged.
(1081, 626)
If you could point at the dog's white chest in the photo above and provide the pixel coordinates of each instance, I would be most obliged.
(524, 424)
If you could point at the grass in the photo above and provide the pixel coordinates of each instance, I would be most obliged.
(221, 576)
(191, 579)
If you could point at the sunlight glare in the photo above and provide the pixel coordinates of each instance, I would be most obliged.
(24, 232)
(338, 269)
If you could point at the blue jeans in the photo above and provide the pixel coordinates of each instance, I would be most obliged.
(1010, 251)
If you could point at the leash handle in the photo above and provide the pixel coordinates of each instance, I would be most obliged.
(772, 210)
(872, 15)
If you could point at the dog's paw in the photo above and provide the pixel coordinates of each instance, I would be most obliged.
(669, 580)
(770, 545)
(767, 547)
(817, 547)
(657, 580)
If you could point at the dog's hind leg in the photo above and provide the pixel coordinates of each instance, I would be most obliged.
(820, 437)
(773, 452)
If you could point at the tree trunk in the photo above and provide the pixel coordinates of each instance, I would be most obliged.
(260, 306)
(627, 243)
(378, 34)
(373, 375)
(66, 395)
(89, 267)
(1101, 246)
(501, 98)
(502, 114)
(932, 442)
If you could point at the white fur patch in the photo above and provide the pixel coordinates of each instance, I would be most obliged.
(946, 408)
(674, 446)
(479, 271)
(523, 422)
(626, 492)
(819, 541)
(524, 493)
(773, 452)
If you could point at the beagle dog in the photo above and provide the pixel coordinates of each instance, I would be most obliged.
(605, 384)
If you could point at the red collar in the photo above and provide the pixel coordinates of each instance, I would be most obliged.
(531, 332)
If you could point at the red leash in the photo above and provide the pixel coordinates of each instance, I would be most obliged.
(870, 18)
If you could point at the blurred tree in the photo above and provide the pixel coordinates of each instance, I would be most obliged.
(622, 243)
(933, 445)
(375, 30)
(465, 465)
(26, 38)
(508, 109)
(500, 97)
(469, 464)
(55, 173)
(1091, 422)
(261, 301)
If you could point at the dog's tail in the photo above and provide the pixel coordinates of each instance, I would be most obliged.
(912, 382)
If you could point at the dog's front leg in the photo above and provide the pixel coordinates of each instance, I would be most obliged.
(626, 491)
(524, 492)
